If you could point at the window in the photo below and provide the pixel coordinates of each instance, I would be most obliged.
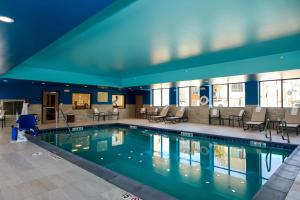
(81, 101)
(237, 95)
(238, 159)
(270, 94)
(184, 96)
(161, 97)
(156, 97)
(220, 95)
(165, 97)
(221, 156)
(118, 101)
(291, 93)
(12, 107)
(195, 96)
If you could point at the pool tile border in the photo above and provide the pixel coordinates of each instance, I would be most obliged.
(276, 188)
(280, 183)
(195, 135)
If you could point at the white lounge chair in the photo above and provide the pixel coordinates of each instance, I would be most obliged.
(291, 120)
(162, 115)
(258, 119)
(178, 116)
(96, 113)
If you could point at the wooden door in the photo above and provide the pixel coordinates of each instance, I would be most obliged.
(50, 106)
(139, 102)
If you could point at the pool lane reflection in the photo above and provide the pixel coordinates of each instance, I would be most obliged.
(186, 168)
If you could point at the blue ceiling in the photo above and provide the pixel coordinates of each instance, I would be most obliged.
(39, 23)
(130, 40)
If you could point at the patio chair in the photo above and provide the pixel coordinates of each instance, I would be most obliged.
(96, 113)
(178, 116)
(291, 120)
(214, 114)
(115, 113)
(142, 113)
(152, 112)
(258, 119)
(238, 118)
(162, 115)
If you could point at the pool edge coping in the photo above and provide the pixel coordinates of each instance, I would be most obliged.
(272, 188)
(129, 185)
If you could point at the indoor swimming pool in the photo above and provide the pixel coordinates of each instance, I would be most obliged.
(185, 167)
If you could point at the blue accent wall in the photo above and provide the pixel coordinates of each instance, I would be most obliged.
(173, 96)
(33, 92)
(146, 96)
(21, 89)
(252, 93)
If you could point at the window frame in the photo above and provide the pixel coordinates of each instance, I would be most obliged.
(178, 95)
(281, 90)
(161, 96)
(228, 93)
(91, 100)
(212, 95)
(190, 99)
(244, 84)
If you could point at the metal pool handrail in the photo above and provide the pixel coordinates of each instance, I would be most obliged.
(64, 116)
(268, 130)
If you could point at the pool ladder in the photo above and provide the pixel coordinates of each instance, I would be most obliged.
(267, 130)
(65, 119)
(282, 126)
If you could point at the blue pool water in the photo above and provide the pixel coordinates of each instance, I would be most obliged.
(186, 168)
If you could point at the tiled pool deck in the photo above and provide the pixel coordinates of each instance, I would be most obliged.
(44, 177)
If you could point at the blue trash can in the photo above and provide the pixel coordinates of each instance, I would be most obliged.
(14, 133)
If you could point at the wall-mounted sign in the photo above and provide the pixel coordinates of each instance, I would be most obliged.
(102, 97)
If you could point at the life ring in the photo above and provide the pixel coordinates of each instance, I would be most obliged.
(204, 151)
(203, 100)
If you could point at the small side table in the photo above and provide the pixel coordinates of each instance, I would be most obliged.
(70, 118)
(223, 119)
(274, 123)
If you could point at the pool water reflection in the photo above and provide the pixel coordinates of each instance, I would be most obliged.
(187, 168)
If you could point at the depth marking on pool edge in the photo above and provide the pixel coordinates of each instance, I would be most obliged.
(129, 196)
(186, 134)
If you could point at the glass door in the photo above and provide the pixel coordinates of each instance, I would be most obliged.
(50, 106)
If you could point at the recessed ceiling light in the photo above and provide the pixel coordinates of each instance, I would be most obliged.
(6, 19)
